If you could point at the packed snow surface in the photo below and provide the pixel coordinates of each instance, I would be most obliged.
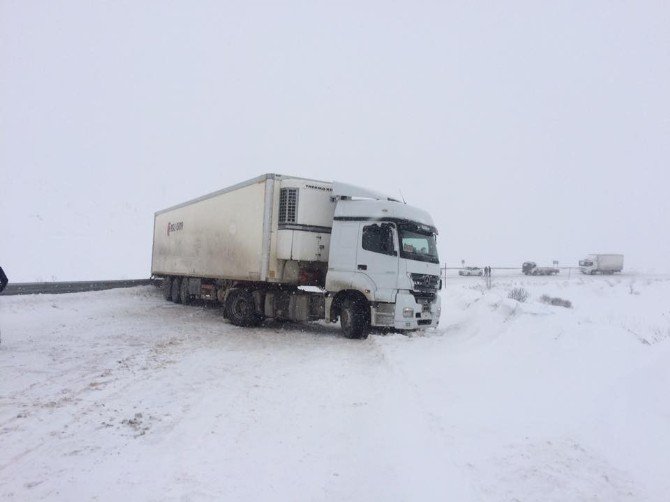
(120, 395)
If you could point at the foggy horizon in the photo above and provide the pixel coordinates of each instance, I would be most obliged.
(528, 131)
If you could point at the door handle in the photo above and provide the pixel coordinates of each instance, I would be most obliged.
(362, 267)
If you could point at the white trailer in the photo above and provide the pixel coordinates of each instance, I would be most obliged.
(251, 246)
(601, 264)
(253, 231)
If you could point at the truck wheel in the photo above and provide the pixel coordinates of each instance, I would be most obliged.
(184, 295)
(354, 318)
(176, 286)
(241, 309)
(166, 286)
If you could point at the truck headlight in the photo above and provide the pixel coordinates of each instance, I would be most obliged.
(407, 312)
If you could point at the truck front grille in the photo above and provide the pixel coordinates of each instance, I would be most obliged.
(425, 283)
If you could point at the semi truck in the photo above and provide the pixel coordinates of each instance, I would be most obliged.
(601, 264)
(531, 268)
(297, 249)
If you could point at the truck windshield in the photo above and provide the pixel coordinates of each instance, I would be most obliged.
(586, 263)
(417, 244)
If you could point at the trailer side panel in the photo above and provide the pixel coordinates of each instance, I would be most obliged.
(217, 237)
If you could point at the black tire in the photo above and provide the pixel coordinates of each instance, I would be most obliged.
(354, 318)
(176, 287)
(241, 308)
(184, 295)
(166, 286)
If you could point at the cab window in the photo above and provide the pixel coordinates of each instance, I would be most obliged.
(378, 238)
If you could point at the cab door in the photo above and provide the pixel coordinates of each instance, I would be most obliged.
(377, 257)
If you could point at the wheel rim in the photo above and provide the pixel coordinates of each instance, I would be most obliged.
(241, 307)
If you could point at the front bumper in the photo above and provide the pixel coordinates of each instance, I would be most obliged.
(408, 312)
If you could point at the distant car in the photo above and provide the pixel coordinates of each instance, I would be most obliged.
(471, 271)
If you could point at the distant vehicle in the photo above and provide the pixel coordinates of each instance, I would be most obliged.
(531, 268)
(601, 264)
(471, 271)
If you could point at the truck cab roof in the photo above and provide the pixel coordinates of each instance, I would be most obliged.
(383, 210)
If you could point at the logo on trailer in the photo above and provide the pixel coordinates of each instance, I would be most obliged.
(174, 227)
(317, 187)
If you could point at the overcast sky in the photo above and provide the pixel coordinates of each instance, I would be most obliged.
(529, 130)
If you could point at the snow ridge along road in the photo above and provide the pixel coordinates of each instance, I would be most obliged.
(31, 288)
(119, 394)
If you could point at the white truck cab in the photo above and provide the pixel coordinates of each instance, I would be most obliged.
(386, 251)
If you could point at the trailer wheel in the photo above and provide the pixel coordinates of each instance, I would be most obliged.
(241, 309)
(184, 295)
(166, 286)
(176, 286)
(354, 318)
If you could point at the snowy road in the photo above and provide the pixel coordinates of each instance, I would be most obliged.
(119, 394)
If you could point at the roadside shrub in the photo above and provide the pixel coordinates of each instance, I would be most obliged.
(559, 302)
(518, 294)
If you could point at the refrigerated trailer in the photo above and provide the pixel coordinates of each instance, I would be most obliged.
(299, 249)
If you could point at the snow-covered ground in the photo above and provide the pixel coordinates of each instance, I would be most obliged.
(119, 395)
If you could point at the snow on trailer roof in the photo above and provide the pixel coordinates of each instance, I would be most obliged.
(339, 190)
(237, 186)
(355, 201)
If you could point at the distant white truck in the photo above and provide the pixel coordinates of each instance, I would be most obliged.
(254, 246)
(601, 264)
